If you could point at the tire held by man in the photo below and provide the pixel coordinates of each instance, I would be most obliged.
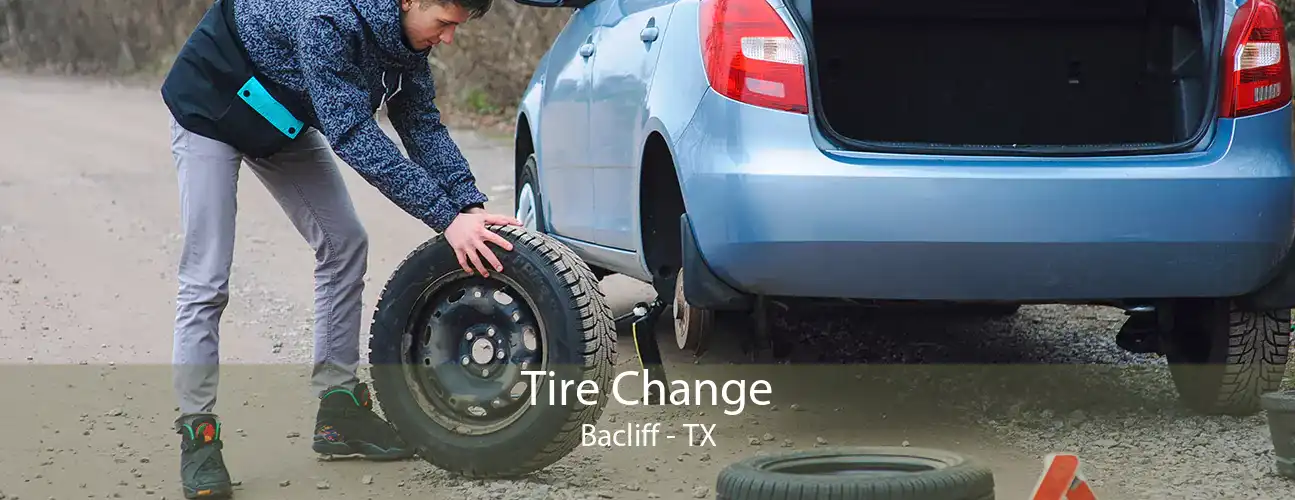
(473, 336)
(896, 473)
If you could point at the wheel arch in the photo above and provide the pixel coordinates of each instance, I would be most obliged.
(678, 85)
(523, 144)
(660, 205)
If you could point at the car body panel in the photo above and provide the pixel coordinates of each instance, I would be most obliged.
(776, 211)
(562, 145)
(631, 38)
(667, 110)
(779, 216)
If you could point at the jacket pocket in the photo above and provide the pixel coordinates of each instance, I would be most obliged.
(256, 123)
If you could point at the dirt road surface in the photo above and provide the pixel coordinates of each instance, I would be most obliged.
(88, 241)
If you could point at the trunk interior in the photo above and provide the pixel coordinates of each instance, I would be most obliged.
(1117, 75)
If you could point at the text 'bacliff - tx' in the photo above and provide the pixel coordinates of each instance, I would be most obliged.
(734, 393)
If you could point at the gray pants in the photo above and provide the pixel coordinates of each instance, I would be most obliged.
(307, 184)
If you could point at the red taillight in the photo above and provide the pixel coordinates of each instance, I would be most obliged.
(1256, 66)
(751, 56)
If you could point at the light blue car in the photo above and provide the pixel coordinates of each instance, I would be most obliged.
(1131, 153)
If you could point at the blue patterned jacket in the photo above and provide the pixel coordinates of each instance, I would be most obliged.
(331, 64)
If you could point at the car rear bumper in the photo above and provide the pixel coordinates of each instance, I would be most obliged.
(771, 213)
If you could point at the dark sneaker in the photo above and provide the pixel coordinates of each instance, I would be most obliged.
(346, 425)
(202, 465)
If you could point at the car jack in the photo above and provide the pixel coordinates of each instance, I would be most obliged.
(642, 321)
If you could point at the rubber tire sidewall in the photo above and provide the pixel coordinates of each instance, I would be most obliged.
(962, 478)
(559, 287)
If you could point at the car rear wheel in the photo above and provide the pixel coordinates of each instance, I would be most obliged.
(1223, 359)
(451, 352)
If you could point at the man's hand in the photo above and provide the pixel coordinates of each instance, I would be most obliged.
(468, 236)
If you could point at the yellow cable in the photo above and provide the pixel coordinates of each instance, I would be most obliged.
(634, 330)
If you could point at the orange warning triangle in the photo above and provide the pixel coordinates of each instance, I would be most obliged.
(1061, 480)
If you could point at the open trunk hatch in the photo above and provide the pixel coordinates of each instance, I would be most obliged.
(1064, 76)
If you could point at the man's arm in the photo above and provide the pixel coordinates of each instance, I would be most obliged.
(325, 55)
(418, 122)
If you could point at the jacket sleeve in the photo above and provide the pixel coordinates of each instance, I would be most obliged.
(342, 107)
(418, 122)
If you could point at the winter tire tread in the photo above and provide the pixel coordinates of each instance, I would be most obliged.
(1244, 358)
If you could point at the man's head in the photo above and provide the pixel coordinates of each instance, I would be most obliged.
(431, 22)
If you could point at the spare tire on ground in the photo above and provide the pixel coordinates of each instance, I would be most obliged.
(895, 473)
(449, 350)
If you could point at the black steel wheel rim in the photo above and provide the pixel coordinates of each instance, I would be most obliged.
(470, 342)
